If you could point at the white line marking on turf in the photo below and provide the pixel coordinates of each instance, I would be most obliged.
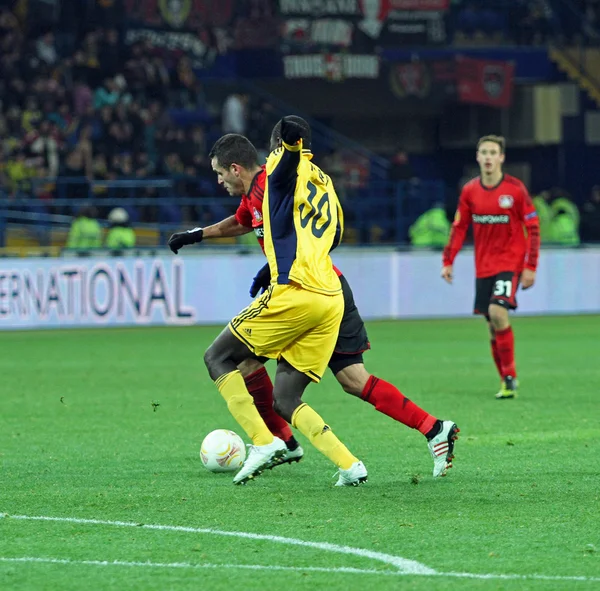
(402, 564)
(405, 566)
(341, 569)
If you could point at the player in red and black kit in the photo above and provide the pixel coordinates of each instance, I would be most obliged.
(507, 242)
(244, 176)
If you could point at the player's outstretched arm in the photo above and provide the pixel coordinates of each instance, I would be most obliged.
(223, 229)
(226, 228)
(181, 239)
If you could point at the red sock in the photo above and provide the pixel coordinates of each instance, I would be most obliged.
(261, 389)
(506, 351)
(496, 356)
(386, 398)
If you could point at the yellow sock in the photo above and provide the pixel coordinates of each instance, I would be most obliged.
(241, 406)
(309, 423)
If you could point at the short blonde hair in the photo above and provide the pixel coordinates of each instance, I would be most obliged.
(497, 139)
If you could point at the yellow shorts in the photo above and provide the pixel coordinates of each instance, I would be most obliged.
(290, 322)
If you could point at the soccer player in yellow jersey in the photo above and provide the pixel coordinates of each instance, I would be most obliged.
(240, 173)
(297, 319)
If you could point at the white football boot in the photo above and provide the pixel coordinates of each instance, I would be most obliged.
(441, 448)
(353, 476)
(258, 459)
(289, 457)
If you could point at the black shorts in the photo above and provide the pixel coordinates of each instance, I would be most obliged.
(352, 339)
(500, 289)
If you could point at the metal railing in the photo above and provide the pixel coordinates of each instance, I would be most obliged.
(379, 212)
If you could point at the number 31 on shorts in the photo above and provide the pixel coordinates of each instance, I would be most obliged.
(503, 288)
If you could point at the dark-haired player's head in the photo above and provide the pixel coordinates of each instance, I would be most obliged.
(233, 157)
(490, 155)
(306, 133)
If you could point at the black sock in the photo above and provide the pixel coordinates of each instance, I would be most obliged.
(437, 427)
(291, 443)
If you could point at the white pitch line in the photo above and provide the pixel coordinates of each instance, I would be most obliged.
(402, 564)
(405, 566)
(270, 567)
(65, 561)
(509, 577)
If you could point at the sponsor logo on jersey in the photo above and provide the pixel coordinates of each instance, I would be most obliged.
(491, 219)
(506, 201)
(260, 232)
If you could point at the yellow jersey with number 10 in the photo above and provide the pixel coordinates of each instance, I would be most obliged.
(303, 221)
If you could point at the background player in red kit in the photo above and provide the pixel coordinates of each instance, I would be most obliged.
(507, 241)
(247, 179)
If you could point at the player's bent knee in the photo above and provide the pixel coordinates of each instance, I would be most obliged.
(215, 359)
(282, 409)
(351, 388)
(211, 359)
(498, 317)
(353, 379)
(344, 381)
(285, 404)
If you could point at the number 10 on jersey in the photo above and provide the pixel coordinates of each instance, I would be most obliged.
(319, 215)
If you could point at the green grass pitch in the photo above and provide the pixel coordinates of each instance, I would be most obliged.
(106, 425)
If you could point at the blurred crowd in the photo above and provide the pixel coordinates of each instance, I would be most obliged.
(80, 102)
(525, 22)
(101, 110)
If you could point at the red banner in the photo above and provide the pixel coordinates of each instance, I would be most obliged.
(484, 82)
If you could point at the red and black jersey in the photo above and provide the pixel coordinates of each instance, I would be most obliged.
(249, 211)
(506, 228)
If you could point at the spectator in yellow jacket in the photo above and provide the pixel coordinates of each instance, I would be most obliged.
(85, 230)
(431, 228)
(120, 235)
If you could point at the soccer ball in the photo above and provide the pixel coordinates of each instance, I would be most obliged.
(222, 451)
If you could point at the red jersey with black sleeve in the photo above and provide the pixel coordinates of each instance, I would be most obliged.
(506, 229)
(249, 211)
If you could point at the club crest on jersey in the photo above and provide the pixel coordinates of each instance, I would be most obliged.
(257, 214)
(505, 201)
